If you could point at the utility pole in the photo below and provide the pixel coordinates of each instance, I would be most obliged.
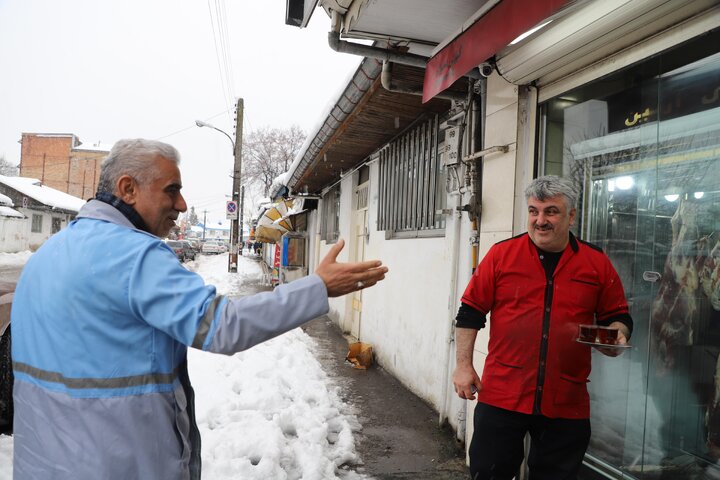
(237, 172)
(242, 208)
(204, 222)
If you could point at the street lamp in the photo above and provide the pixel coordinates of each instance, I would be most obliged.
(234, 234)
(201, 124)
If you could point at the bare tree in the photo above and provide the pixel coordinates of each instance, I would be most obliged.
(192, 217)
(268, 152)
(8, 169)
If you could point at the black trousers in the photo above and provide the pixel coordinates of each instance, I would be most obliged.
(557, 445)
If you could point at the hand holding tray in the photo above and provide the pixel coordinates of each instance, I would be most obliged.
(600, 337)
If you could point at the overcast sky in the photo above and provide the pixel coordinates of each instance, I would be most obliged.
(112, 69)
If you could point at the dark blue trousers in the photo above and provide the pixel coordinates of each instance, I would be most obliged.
(557, 445)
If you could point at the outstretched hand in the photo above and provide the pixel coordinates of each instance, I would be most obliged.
(343, 278)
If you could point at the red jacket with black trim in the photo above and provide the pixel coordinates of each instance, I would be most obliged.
(534, 364)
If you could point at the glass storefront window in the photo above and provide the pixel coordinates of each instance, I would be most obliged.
(643, 146)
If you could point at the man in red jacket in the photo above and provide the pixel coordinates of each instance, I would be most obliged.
(537, 287)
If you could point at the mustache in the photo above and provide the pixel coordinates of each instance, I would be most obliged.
(547, 226)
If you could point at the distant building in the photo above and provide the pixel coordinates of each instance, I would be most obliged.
(62, 162)
(31, 212)
(217, 230)
(12, 226)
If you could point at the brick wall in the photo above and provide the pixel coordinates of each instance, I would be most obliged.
(47, 158)
(56, 162)
(84, 172)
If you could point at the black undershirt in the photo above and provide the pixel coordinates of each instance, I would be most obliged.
(549, 261)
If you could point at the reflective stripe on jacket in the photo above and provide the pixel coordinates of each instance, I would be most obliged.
(102, 317)
(532, 350)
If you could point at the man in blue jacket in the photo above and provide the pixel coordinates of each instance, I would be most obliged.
(102, 318)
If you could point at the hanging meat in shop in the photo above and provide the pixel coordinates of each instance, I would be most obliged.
(691, 272)
(709, 269)
(675, 306)
(712, 416)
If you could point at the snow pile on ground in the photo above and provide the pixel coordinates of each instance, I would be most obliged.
(14, 259)
(270, 412)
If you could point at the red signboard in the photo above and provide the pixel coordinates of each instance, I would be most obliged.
(276, 258)
(491, 33)
(276, 265)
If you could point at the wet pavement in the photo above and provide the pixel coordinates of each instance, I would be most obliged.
(400, 436)
(10, 273)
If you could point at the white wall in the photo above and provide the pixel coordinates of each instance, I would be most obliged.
(408, 316)
(12, 234)
(338, 305)
(33, 240)
(499, 190)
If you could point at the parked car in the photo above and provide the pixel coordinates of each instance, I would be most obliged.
(189, 251)
(179, 248)
(6, 372)
(212, 248)
(196, 245)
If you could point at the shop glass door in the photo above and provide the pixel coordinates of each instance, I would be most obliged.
(643, 146)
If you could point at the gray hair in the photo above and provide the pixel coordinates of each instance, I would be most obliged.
(550, 186)
(133, 157)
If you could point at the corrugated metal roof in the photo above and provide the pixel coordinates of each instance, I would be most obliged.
(363, 119)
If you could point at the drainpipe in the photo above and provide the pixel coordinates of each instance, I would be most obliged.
(386, 81)
(474, 208)
(452, 295)
(370, 51)
(478, 139)
(454, 259)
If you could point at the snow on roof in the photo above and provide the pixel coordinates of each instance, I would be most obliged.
(51, 135)
(264, 203)
(34, 189)
(279, 182)
(221, 225)
(6, 201)
(96, 147)
(9, 212)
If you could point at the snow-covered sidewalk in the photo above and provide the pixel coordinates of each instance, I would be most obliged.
(268, 413)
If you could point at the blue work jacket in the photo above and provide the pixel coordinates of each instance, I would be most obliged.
(102, 318)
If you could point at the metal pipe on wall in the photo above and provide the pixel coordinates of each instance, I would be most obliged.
(463, 145)
(379, 53)
(478, 141)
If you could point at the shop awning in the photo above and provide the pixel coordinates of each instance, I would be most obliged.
(489, 34)
(277, 220)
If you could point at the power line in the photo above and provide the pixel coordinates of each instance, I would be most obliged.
(192, 126)
(175, 132)
(217, 56)
(226, 38)
(222, 55)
